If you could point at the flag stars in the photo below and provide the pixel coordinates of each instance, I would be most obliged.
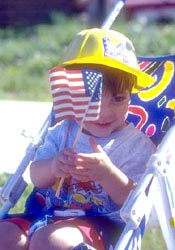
(91, 79)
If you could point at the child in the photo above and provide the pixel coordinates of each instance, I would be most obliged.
(108, 161)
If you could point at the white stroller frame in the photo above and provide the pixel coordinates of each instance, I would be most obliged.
(159, 175)
(16, 185)
(157, 178)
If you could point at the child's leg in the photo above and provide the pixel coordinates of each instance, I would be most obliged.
(63, 236)
(66, 234)
(12, 237)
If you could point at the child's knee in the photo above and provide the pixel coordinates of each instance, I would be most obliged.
(62, 238)
(8, 228)
(37, 240)
(12, 235)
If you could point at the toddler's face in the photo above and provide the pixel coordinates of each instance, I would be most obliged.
(112, 115)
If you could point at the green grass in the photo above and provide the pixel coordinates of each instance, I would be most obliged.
(27, 53)
(153, 240)
(19, 207)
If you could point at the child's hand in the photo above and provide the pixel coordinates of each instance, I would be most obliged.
(92, 166)
(62, 163)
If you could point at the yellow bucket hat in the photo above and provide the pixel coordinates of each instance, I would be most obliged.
(106, 48)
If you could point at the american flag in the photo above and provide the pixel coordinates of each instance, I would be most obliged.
(76, 93)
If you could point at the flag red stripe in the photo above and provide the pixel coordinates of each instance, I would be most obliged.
(80, 110)
(59, 69)
(94, 107)
(77, 111)
(69, 101)
(58, 86)
(91, 117)
(71, 94)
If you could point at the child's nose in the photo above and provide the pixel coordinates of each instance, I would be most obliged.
(105, 109)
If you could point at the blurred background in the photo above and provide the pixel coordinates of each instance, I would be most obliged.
(21, 12)
(35, 34)
(33, 37)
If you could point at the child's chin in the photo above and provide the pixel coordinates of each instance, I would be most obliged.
(98, 130)
(101, 134)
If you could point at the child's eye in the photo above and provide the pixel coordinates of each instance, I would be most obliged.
(119, 99)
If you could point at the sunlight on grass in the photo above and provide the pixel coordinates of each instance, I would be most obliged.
(153, 240)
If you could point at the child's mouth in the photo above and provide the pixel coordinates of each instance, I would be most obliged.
(103, 125)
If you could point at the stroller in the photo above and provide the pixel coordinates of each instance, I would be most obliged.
(152, 111)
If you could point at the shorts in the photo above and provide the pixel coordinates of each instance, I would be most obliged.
(98, 231)
(23, 223)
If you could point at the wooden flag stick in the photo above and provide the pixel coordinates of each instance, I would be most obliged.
(74, 146)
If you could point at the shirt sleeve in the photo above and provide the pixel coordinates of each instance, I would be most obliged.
(54, 142)
(131, 151)
(137, 157)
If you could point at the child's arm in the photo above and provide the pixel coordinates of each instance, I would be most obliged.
(45, 172)
(117, 185)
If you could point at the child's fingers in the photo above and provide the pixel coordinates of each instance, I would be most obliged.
(96, 148)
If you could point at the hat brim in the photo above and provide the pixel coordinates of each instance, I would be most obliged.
(143, 80)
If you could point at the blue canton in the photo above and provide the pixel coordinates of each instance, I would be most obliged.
(92, 84)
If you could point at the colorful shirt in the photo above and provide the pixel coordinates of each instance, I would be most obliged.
(129, 149)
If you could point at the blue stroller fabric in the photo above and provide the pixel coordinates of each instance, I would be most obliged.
(152, 110)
